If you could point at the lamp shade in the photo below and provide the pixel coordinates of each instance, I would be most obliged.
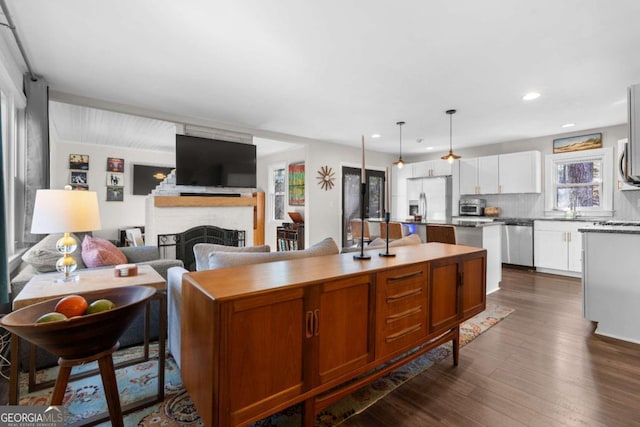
(61, 211)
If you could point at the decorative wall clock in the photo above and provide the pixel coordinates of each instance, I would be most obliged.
(326, 178)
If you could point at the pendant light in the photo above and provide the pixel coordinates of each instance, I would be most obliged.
(450, 157)
(400, 162)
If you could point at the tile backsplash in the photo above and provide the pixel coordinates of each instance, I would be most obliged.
(517, 205)
(625, 205)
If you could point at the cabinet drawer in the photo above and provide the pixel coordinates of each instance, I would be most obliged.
(401, 307)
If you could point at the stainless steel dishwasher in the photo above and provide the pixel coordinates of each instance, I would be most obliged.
(517, 241)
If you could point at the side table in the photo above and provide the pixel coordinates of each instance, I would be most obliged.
(42, 287)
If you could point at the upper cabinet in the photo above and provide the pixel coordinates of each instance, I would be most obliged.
(431, 168)
(501, 174)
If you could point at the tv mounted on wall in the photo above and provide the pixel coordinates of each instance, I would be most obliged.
(214, 163)
(146, 178)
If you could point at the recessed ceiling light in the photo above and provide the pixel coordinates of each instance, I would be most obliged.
(568, 125)
(530, 96)
(376, 136)
(429, 148)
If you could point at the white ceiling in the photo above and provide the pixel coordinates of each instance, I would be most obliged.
(336, 69)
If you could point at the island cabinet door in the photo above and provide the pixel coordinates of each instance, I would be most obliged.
(444, 295)
(340, 329)
(401, 306)
(474, 285)
(262, 352)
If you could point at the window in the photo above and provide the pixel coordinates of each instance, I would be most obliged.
(277, 192)
(579, 181)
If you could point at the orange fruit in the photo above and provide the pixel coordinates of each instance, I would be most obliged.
(72, 305)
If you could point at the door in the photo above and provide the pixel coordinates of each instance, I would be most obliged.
(351, 193)
(265, 335)
(550, 249)
(474, 273)
(443, 299)
(468, 176)
(342, 338)
(488, 175)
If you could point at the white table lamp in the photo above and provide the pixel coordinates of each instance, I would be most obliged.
(65, 211)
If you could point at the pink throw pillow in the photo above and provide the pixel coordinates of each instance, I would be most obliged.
(97, 252)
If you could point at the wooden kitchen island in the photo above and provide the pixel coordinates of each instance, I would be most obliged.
(257, 339)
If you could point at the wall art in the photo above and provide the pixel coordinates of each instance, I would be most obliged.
(115, 165)
(115, 179)
(115, 194)
(79, 161)
(577, 143)
(78, 177)
(296, 184)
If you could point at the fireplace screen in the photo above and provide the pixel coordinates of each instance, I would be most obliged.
(180, 245)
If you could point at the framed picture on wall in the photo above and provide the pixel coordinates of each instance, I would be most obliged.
(296, 184)
(115, 194)
(577, 143)
(115, 165)
(115, 179)
(80, 187)
(78, 178)
(79, 161)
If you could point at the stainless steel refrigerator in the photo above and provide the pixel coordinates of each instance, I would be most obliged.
(430, 197)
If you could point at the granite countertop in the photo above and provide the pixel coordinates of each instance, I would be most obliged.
(456, 222)
(603, 228)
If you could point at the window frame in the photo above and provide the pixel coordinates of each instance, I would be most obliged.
(272, 193)
(605, 156)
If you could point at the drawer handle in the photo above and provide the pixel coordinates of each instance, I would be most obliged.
(403, 295)
(405, 276)
(309, 322)
(316, 322)
(407, 313)
(403, 333)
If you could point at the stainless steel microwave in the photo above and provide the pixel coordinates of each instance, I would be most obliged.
(471, 207)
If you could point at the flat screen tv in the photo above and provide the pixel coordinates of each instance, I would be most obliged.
(213, 163)
(146, 178)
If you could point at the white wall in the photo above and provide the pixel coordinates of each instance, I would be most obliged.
(264, 165)
(324, 214)
(114, 215)
(323, 209)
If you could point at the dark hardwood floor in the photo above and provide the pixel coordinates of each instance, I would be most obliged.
(541, 366)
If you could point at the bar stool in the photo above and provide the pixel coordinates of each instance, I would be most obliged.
(396, 231)
(441, 233)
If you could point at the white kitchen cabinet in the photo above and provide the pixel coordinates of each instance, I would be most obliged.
(468, 176)
(501, 174)
(431, 168)
(488, 179)
(558, 247)
(520, 172)
(479, 175)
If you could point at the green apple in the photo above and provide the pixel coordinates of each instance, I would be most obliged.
(51, 317)
(100, 305)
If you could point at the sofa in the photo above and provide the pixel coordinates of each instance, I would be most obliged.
(41, 258)
(211, 256)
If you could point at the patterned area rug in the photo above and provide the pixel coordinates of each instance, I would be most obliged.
(85, 397)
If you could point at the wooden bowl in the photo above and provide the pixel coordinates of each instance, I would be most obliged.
(83, 336)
